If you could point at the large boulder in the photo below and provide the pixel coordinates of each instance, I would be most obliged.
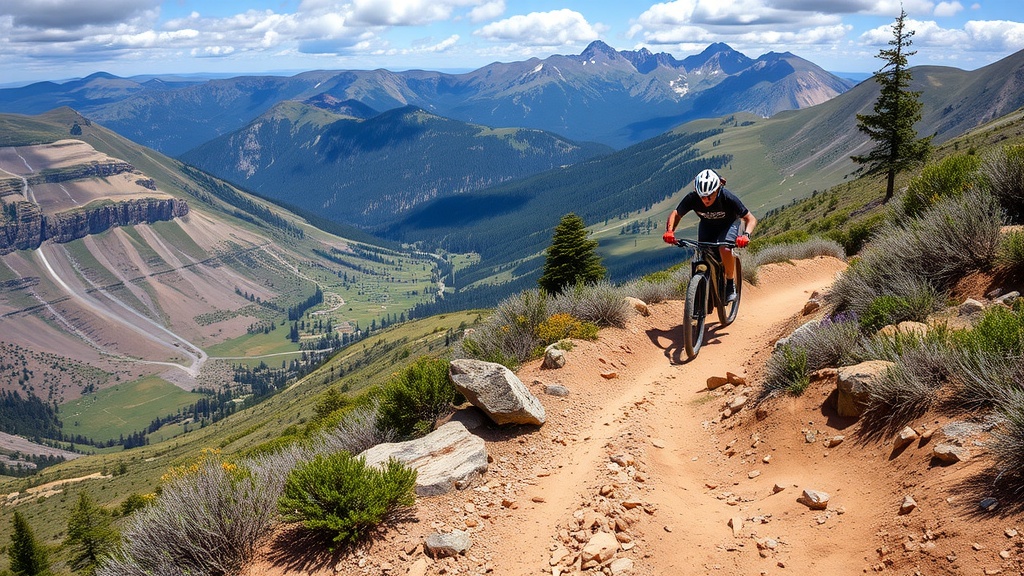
(447, 458)
(497, 391)
(854, 386)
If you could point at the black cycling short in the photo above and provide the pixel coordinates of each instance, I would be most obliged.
(713, 231)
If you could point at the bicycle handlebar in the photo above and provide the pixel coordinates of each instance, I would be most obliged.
(683, 242)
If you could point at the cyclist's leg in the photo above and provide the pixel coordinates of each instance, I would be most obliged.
(729, 261)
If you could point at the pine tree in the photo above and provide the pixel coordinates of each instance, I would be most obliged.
(90, 536)
(28, 557)
(897, 109)
(572, 258)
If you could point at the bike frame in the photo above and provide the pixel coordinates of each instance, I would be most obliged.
(705, 291)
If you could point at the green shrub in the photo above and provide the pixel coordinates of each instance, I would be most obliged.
(340, 496)
(1010, 253)
(412, 400)
(604, 305)
(922, 258)
(1008, 442)
(856, 235)
(885, 310)
(1004, 172)
(786, 371)
(952, 176)
(1000, 332)
(209, 519)
(899, 397)
(562, 326)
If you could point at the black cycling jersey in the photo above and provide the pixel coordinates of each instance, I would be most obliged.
(716, 221)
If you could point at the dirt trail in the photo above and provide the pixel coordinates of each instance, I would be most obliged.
(689, 472)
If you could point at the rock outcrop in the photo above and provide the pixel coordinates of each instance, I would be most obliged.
(497, 391)
(30, 228)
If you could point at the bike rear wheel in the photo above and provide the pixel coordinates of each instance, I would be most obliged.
(695, 314)
(727, 312)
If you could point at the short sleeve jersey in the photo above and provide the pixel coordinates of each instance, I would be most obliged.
(724, 211)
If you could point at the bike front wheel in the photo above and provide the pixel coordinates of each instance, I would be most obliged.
(727, 312)
(695, 314)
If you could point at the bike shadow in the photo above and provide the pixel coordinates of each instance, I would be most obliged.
(671, 341)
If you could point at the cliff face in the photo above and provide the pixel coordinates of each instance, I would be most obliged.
(31, 228)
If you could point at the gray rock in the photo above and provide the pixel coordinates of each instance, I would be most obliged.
(440, 545)
(1008, 299)
(970, 306)
(556, 390)
(804, 329)
(553, 358)
(950, 453)
(497, 391)
(854, 385)
(447, 458)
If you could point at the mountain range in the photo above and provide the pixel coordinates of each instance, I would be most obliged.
(613, 97)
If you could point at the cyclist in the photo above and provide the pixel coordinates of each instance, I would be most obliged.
(721, 215)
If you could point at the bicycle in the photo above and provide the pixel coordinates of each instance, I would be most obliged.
(706, 291)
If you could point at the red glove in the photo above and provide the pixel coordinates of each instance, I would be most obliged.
(742, 241)
(669, 237)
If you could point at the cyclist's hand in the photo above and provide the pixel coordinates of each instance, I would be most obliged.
(742, 241)
(669, 237)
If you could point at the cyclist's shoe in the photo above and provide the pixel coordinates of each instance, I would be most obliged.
(730, 291)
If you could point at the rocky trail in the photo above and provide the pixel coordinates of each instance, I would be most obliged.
(643, 470)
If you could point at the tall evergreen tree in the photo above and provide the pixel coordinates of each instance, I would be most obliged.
(572, 257)
(897, 109)
(28, 557)
(90, 536)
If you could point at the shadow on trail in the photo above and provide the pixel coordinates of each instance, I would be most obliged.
(675, 350)
(299, 549)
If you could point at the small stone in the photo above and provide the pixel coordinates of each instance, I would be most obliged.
(777, 488)
(834, 441)
(668, 528)
(1011, 532)
(753, 474)
(950, 453)
(716, 382)
(767, 459)
(538, 499)
(988, 504)
(620, 566)
(1005, 554)
(905, 438)
(908, 505)
(609, 375)
(977, 546)
(736, 523)
(556, 390)
(814, 499)
(658, 442)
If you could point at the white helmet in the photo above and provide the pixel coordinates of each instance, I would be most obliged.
(706, 183)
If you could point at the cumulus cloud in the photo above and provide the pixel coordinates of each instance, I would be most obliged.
(947, 9)
(978, 36)
(488, 11)
(73, 14)
(555, 28)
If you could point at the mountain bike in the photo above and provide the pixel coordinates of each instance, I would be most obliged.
(706, 291)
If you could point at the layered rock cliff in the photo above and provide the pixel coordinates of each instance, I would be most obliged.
(30, 227)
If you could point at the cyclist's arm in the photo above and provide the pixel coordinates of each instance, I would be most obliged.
(673, 221)
(749, 221)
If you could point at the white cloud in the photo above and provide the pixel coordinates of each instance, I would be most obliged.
(947, 9)
(73, 14)
(976, 36)
(555, 28)
(995, 35)
(488, 11)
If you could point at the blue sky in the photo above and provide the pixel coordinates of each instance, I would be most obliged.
(60, 39)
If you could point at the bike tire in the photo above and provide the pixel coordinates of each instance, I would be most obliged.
(695, 314)
(727, 312)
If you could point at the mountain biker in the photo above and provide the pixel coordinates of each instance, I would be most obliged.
(721, 215)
